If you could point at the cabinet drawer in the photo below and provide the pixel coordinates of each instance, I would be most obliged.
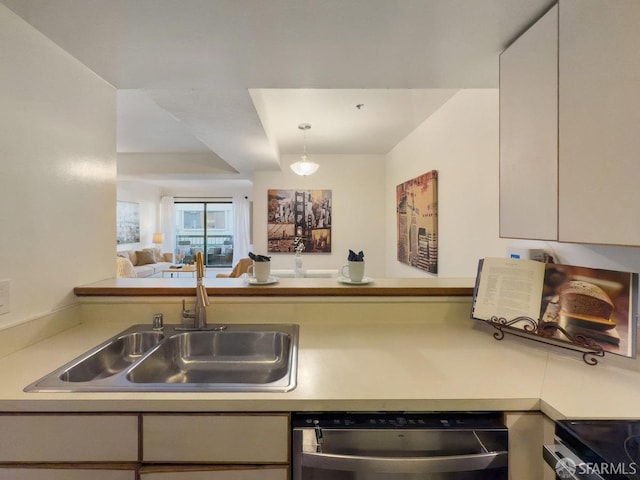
(219, 473)
(68, 438)
(216, 438)
(64, 473)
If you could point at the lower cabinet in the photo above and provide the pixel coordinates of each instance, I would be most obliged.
(528, 432)
(68, 438)
(215, 438)
(134, 446)
(189, 446)
(67, 472)
(215, 473)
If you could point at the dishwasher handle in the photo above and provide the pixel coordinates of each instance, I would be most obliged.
(437, 464)
(566, 463)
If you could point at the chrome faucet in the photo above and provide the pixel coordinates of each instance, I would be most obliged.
(199, 312)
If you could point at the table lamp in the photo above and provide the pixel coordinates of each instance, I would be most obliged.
(158, 239)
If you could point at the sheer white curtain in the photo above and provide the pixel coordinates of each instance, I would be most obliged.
(241, 239)
(167, 224)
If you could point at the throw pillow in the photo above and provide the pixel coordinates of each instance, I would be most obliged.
(155, 252)
(124, 268)
(145, 258)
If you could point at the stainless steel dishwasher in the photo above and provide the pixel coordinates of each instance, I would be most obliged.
(403, 446)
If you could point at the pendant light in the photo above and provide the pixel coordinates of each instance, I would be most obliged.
(304, 167)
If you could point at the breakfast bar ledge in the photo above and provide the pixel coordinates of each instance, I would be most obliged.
(285, 287)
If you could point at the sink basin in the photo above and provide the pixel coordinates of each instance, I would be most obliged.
(113, 358)
(243, 357)
(225, 357)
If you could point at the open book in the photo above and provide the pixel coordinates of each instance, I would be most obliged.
(600, 305)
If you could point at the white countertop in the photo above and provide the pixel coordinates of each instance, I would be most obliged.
(340, 366)
(354, 365)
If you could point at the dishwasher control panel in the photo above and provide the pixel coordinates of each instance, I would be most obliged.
(443, 420)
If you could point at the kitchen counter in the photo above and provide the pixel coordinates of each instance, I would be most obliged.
(374, 361)
(409, 353)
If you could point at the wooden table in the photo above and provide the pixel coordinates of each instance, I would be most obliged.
(186, 269)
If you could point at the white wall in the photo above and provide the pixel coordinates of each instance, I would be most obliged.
(57, 172)
(625, 259)
(148, 197)
(460, 141)
(220, 189)
(357, 183)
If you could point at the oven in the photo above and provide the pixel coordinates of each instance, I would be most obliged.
(404, 446)
(595, 450)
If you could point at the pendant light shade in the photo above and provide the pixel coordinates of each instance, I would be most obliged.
(304, 166)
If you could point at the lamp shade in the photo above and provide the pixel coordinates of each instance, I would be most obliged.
(158, 238)
(304, 167)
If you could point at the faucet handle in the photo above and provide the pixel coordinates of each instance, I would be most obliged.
(158, 321)
(187, 314)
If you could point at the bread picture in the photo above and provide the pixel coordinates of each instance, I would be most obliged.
(586, 303)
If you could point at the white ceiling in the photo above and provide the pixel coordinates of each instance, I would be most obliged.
(223, 84)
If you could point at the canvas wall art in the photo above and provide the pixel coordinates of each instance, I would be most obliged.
(299, 214)
(417, 213)
(127, 222)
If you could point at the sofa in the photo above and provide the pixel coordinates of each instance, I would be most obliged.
(146, 262)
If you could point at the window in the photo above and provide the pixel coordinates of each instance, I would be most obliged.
(215, 241)
(216, 219)
(192, 220)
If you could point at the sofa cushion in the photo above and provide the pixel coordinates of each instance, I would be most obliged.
(144, 270)
(145, 257)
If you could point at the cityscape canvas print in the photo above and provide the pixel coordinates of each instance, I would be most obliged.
(417, 213)
(299, 217)
(127, 222)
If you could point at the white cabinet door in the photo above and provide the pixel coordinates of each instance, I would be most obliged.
(529, 133)
(570, 172)
(215, 438)
(68, 438)
(599, 121)
(220, 473)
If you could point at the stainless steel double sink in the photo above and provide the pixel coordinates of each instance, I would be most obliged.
(240, 358)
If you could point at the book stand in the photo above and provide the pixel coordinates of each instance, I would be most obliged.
(542, 331)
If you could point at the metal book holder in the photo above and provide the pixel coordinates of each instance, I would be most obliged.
(542, 331)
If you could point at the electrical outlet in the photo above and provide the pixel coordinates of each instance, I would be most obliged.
(5, 296)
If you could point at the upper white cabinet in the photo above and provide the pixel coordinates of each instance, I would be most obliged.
(570, 126)
(529, 133)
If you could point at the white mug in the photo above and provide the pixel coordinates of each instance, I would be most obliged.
(355, 271)
(260, 271)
